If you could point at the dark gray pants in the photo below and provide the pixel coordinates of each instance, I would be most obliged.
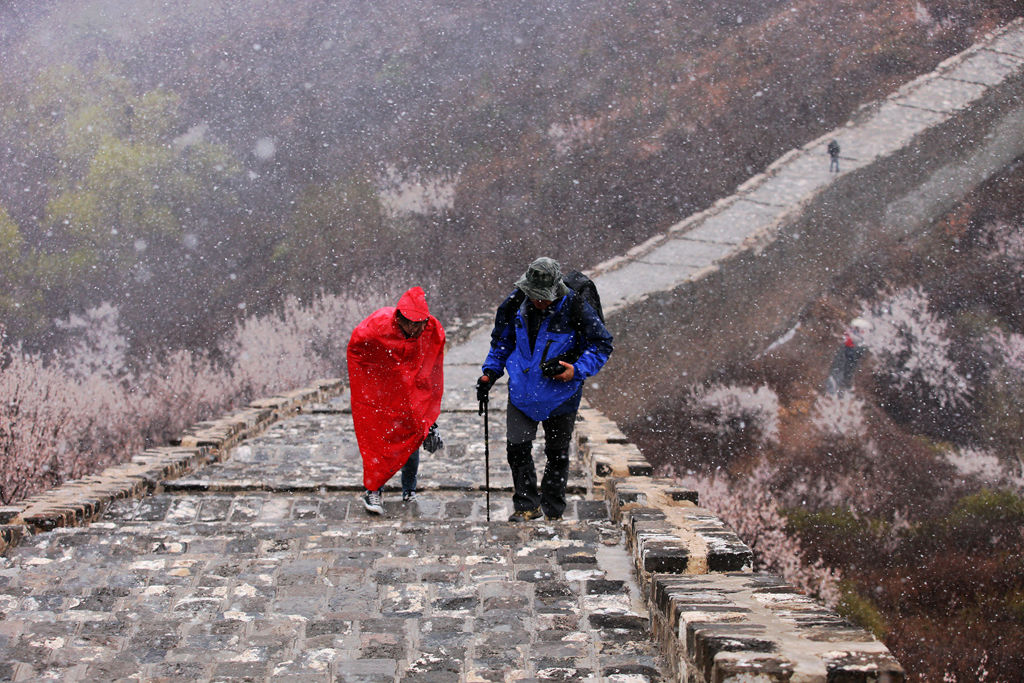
(520, 433)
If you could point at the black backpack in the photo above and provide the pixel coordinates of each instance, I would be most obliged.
(585, 289)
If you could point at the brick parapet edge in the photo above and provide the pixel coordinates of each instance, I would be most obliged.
(81, 501)
(716, 619)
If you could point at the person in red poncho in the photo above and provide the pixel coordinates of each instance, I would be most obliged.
(396, 378)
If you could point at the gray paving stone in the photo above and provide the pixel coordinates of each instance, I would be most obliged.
(260, 586)
(684, 254)
(986, 66)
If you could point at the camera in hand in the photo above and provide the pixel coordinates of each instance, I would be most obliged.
(552, 367)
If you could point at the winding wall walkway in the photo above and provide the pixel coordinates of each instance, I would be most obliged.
(242, 553)
(727, 282)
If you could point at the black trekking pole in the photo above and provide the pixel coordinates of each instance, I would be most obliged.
(487, 457)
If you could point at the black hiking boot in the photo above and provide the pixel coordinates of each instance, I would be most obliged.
(524, 515)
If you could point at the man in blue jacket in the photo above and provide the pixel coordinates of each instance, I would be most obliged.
(550, 340)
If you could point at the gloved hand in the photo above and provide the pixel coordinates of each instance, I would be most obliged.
(433, 441)
(484, 384)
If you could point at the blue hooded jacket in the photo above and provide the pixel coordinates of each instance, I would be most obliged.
(569, 326)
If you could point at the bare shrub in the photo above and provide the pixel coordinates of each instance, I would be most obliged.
(986, 467)
(98, 347)
(835, 415)
(35, 422)
(761, 525)
(888, 475)
(184, 387)
(1000, 399)
(956, 581)
(1006, 351)
(996, 275)
(292, 346)
(727, 422)
(707, 428)
(912, 346)
(72, 415)
(916, 377)
(1005, 246)
(733, 409)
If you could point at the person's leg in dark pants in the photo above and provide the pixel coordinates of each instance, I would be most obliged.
(557, 437)
(524, 477)
(409, 473)
(520, 432)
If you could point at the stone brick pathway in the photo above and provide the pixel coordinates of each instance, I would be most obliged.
(265, 567)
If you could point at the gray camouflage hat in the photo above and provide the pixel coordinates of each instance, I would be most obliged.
(543, 280)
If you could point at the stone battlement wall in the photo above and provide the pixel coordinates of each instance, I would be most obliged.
(715, 618)
(83, 500)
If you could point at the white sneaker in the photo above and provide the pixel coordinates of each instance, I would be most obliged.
(409, 497)
(373, 503)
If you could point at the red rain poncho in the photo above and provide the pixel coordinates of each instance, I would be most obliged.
(396, 385)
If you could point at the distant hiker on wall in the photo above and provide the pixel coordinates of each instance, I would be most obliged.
(833, 155)
(844, 364)
(550, 340)
(396, 378)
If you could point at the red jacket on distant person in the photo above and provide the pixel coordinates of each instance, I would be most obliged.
(396, 384)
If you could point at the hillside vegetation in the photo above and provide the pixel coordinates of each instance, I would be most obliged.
(193, 163)
(199, 200)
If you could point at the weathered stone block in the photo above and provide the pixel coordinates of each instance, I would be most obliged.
(704, 641)
(744, 668)
(730, 557)
(631, 622)
(640, 468)
(591, 509)
(668, 557)
(646, 519)
(864, 667)
(49, 520)
(679, 495)
(625, 497)
(271, 403)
